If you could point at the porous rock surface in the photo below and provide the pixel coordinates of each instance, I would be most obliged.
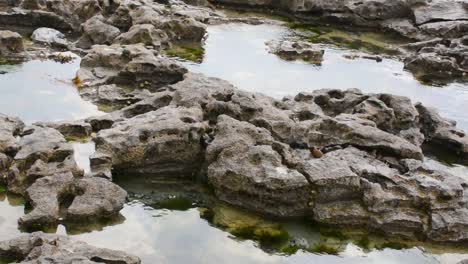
(38, 248)
(38, 163)
(255, 151)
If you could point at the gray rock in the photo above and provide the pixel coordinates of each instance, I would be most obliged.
(46, 248)
(10, 43)
(297, 50)
(440, 11)
(96, 31)
(166, 141)
(146, 34)
(50, 37)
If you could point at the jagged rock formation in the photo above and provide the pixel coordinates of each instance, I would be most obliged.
(48, 248)
(255, 152)
(38, 162)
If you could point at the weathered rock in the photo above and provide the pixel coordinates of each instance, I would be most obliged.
(146, 34)
(166, 141)
(96, 31)
(442, 132)
(246, 170)
(46, 248)
(43, 152)
(298, 50)
(440, 11)
(9, 128)
(50, 37)
(71, 130)
(10, 43)
(34, 19)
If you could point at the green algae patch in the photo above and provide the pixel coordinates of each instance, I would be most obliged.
(107, 108)
(2, 189)
(249, 226)
(77, 139)
(290, 250)
(366, 41)
(322, 248)
(206, 213)
(194, 54)
(334, 233)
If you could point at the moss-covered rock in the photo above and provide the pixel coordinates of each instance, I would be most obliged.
(248, 226)
(322, 248)
(194, 54)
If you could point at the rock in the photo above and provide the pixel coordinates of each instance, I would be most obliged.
(446, 29)
(10, 43)
(72, 130)
(442, 132)
(34, 19)
(150, 72)
(440, 11)
(146, 34)
(45, 195)
(9, 128)
(50, 37)
(165, 141)
(246, 170)
(298, 50)
(432, 66)
(95, 198)
(96, 31)
(43, 152)
(45, 248)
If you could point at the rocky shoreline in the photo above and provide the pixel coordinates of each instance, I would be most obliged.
(343, 158)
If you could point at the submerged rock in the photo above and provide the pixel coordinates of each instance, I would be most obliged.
(298, 50)
(49, 248)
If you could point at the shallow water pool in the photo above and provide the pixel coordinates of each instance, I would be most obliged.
(42, 90)
(237, 53)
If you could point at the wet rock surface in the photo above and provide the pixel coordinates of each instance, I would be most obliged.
(47, 248)
(342, 158)
(299, 50)
(38, 162)
(256, 152)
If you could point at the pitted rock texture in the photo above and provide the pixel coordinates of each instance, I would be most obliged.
(38, 248)
(255, 151)
(38, 163)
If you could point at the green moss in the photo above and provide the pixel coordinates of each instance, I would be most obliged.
(8, 260)
(77, 139)
(324, 249)
(2, 189)
(392, 245)
(364, 242)
(206, 214)
(187, 53)
(106, 108)
(249, 226)
(179, 204)
(290, 249)
(333, 233)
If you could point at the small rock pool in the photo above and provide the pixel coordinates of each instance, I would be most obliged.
(176, 230)
(42, 90)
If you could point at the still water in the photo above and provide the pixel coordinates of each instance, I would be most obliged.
(237, 53)
(42, 90)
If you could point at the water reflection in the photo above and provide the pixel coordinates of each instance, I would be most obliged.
(237, 53)
(42, 91)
